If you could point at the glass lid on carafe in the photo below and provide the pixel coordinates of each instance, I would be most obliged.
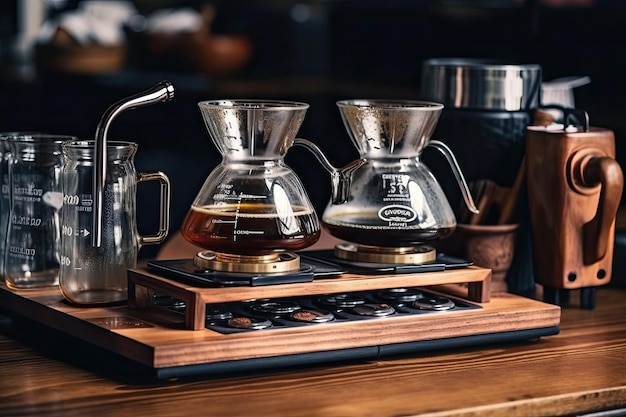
(397, 128)
(252, 128)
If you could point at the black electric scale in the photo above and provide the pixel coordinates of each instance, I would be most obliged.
(313, 265)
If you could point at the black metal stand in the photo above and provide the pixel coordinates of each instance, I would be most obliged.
(588, 298)
(557, 296)
(561, 297)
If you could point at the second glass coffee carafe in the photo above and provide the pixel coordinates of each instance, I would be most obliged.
(252, 207)
(388, 200)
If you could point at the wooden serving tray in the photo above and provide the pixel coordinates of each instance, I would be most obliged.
(161, 340)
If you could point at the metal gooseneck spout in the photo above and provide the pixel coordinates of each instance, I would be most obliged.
(162, 92)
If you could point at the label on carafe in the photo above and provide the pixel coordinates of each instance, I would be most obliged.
(395, 188)
(397, 215)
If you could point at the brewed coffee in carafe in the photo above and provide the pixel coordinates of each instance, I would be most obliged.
(252, 206)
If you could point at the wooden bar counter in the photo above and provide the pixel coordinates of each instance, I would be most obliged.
(580, 370)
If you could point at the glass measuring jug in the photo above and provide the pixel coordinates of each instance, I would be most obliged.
(33, 233)
(5, 205)
(252, 203)
(5, 202)
(92, 275)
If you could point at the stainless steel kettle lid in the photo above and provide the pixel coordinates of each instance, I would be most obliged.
(481, 84)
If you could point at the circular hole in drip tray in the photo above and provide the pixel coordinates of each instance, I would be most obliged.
(170, 302)
(374, 309)
(249, 323)
(217, 313)
(342, 300)
(312, 316)
(275, 307)
(403, 295)
(434, 302)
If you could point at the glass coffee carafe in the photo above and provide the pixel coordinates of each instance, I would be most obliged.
(388, 202)
(252, 211)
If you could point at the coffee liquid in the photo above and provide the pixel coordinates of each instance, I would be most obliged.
(250, 229)
(368, 230)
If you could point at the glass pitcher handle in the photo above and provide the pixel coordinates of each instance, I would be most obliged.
(164, 207)
(456, 170)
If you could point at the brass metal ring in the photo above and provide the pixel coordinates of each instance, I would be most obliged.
(413, 255)
(272, 263)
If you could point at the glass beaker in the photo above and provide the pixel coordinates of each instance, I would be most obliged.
(33, 234)
(98, 275)
(4, 194)
(252, 203)
(5, 202)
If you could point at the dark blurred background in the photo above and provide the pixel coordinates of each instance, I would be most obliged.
(316, 51)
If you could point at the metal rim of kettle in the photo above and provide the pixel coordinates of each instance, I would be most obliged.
(254, 104)
(481, 83)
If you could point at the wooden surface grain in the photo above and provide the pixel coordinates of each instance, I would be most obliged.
(582, 369)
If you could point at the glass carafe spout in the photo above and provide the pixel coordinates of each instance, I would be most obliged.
(340, 177)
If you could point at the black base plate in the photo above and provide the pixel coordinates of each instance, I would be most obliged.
(313, 265)
(441, 263)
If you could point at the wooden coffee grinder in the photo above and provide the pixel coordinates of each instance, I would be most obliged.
(574, 190)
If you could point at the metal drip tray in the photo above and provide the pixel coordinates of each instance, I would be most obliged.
(325, 309)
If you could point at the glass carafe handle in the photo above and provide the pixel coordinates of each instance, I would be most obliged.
(164, 207)
(340, 178)
(456, 170)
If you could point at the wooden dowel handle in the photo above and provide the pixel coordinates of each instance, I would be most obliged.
(607, 172)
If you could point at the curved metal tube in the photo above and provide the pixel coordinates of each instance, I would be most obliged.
(162, 92)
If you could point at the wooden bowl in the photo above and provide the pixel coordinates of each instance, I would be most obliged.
(219, 55)
(74, 59)
(488, 246)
